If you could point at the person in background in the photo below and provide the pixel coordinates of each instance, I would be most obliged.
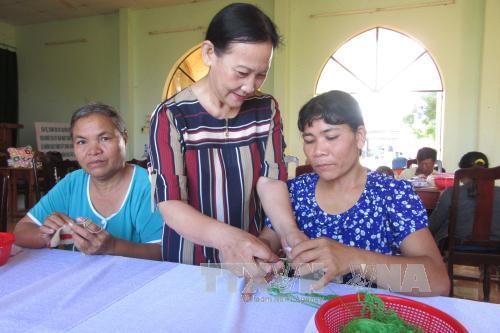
(385, 170)
(217, 148)
(399, 163)
(426, 158)
(440, 216)
(359, 222)
(106, 205)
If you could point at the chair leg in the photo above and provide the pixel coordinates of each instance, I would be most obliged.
(486, 283)
(450, 274)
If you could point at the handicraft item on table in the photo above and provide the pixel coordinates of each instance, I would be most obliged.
(63, 237)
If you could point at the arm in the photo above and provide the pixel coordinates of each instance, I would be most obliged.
(271, 238)
(419, 271)
(31, 235)
(272, 188)
(276, 203)
(91, 239)
(238, 249)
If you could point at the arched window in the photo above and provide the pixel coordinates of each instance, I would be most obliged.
(188, 69)
(399, 89)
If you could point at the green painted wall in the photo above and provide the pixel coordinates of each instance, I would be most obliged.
(452, 34)
(488, 129)
(120, 64)
(56, 79)
(123, 65)
(7, 35)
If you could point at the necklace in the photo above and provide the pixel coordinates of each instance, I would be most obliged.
(226, 132)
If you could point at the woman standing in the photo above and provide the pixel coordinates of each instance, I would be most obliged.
(217, 148)
(106, 204)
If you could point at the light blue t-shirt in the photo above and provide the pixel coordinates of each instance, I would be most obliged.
(133, 222)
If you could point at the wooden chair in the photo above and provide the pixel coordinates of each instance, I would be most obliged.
(62, 168)
(44, 169)
(480, 250)
(4, 193)
(301, 169)
(141, 163)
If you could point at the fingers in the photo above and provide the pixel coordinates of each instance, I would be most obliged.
(244, 269)
(89, 225)
(46, 234)
(88, 237)
(84, 227)
(293, 239)
(47, 231)
(270, 268)
(305, 252)
(51, 225)
(249, 257)
(261, 251)
(56, 220)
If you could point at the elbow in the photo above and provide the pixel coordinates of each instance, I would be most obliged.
(442, 287)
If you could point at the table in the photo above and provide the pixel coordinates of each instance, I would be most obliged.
(55, 290)
(16, 174)
(429, 196)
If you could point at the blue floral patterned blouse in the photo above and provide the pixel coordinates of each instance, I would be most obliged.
(387, 211)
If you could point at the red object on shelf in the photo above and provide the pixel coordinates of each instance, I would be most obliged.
(337, 312)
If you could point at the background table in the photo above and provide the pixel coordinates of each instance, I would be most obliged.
(54, 290)
(429, 196)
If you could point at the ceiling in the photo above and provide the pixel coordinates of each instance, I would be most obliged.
(22, 12)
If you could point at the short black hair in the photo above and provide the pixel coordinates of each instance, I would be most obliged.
(102, 109)
(425, 153)
(335, 107)
(472, 159)
(243, 23)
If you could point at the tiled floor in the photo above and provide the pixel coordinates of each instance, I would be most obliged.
(473, 289)
(463, 289)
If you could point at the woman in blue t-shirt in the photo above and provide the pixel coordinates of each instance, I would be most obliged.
(361, 224)
(105, 207)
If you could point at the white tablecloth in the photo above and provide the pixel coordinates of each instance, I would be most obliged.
(53, 290)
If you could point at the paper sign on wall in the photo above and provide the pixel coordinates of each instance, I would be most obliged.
(54, 137)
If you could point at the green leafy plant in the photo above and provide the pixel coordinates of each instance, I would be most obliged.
(422, 120)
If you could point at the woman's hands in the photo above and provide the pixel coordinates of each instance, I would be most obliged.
(52, 223)
(293, 238)
(323, 254)
(90, 238)
(246, 255)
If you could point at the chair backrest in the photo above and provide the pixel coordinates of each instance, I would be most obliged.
(44, 170)
(4, 193)
(301, 169)
(483, 188)
(141, 163)
(64, 167)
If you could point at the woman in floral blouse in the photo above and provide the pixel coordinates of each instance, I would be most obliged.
(362, 224)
